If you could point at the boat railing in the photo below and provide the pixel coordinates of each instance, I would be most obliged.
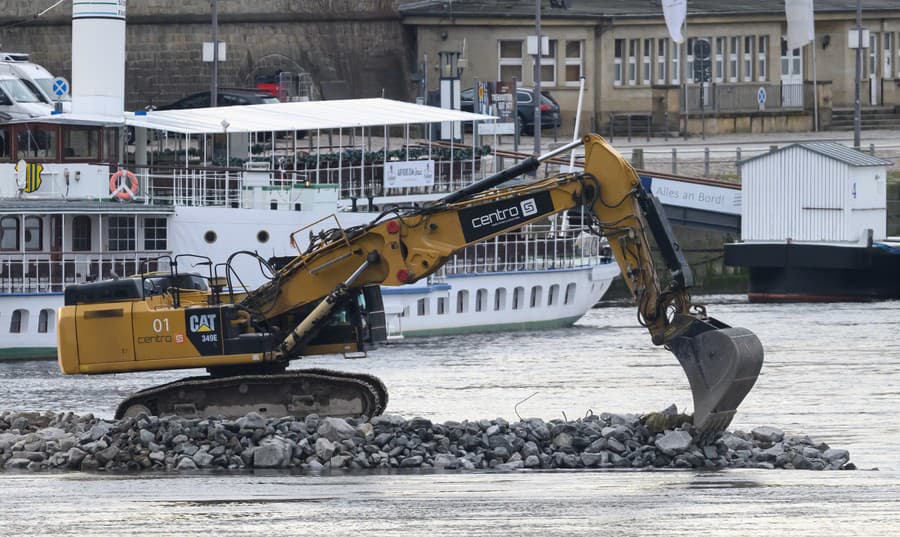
(526, 250)
(259, 185)
(43, 272)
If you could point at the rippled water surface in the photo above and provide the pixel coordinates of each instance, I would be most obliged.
(832, 371)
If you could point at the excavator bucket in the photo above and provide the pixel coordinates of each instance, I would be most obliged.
(721, 365)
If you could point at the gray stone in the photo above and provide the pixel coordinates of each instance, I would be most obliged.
(615, 445)
(532, 461)
(510, 466)
(272, 453)
(411, 462)
(325, 449)
(335, 429)
(674, 442)
(834, 455)
(734, 442)
(338, 461)
(315, 466)
(99, 430)
(444, 460)
(366, 431)
(75, 456)
(203, 459)
(17, 462)
(767, 434)
(106, 455)
(186, 463)
(146, 437)
(562, 441)
(592, 460)
(252, 421)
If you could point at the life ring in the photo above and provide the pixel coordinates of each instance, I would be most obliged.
(125, 190)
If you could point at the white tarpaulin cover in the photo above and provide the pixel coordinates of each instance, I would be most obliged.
(800, 26)
(675, 12)
(310, 115)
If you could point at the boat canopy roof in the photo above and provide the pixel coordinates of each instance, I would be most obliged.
(296, 116)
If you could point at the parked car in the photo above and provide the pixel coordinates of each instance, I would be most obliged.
(524, 107)
(226, 97)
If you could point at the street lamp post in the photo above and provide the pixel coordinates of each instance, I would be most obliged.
(857, 113)
(214, 85)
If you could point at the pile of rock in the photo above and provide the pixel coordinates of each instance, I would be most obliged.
(38, 441)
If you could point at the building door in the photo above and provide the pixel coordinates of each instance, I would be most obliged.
(874, 81)
(791, 76)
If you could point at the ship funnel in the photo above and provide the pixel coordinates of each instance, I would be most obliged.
(98, 58)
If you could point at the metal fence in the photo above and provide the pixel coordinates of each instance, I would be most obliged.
(718, 97)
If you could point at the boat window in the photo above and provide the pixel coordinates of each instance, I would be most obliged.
(536, 292)
(441, 305)
(38, 142)
(422, 307)
(155, 233)
(480, 299)
(5, 144)
(34, 234)
(81, 143)
(111, 145)
(121, 233)
(570, 293)
(553, 295)
(462, 302)
(518, 297)
(500, 299)
(45, 320)
(9, 233)
(18, 323)
(81, 234)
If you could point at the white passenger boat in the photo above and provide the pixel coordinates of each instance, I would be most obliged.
(82, 199)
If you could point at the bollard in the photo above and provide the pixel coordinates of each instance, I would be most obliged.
(737, 157)
(872, 149)
(637, 158)
(706, 161)
(674, 161)
(666, 125)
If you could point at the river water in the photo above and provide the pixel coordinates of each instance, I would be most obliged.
(832, 371)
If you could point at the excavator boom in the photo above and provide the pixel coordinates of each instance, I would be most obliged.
(265, 329)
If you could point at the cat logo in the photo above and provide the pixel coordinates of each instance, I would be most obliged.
(200, 324)
(32, 172)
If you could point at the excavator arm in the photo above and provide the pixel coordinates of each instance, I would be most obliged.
(405, 245)
(721, 363)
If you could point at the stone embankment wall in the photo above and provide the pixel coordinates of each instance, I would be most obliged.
(362, 44)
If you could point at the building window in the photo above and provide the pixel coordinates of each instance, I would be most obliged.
(617, 61)
(18, 323)
(518, 298)
(81, 143)
(689, 76)
(733, 52)
(748, 58)
(81, 234)
(548, 64)
(462, 302)
(34, 234)
(422, 307)
(574, 62)
(553, 295)
(719, 58)
(121, 233)
(9, 233)
(873, 54)
(888, 55)
(632, 61)
(480, 299)
(662, 46)
(441, 305)
(510, 63)
(45, 320)
(646, 64)
(570, 294)
(676, 63)
(5, 144)
(500, 299)
(762, 63)
(536, 296)
(155, 233)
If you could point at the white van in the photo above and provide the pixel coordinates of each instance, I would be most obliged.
(18, 64)
(20, 99)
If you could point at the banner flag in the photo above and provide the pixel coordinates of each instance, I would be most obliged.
(800, 29)
(675, 12)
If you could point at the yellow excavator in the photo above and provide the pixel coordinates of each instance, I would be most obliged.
(326, 299)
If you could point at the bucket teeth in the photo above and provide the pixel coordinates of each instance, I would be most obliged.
(721, 366)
